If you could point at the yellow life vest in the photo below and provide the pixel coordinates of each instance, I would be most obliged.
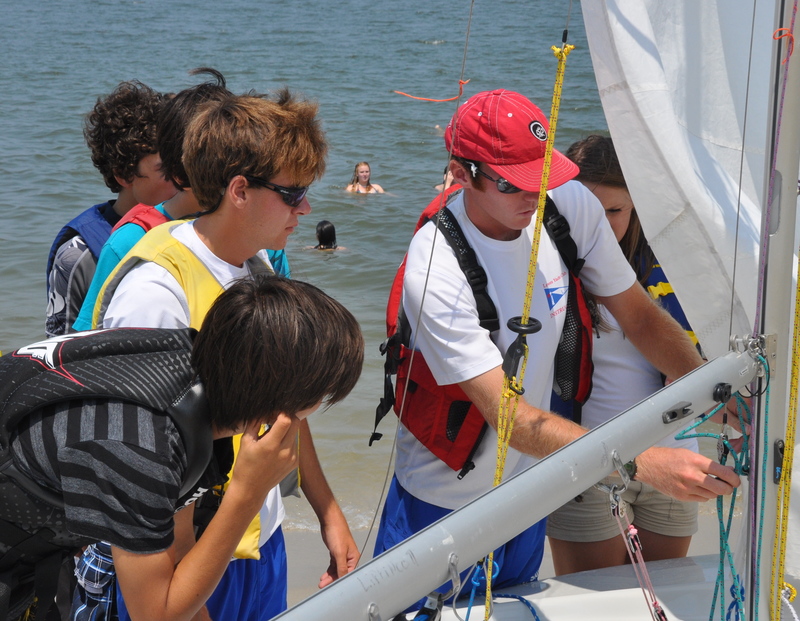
(201, 289)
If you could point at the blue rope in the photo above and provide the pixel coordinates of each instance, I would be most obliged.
(523, 600)
(479, 580)
(476, 583)
(737, 603)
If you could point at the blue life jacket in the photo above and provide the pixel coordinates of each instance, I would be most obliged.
(658, 288)
(93, 225)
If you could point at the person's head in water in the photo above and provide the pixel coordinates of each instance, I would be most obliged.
(360, 181)
(326, 236)
(361, 174)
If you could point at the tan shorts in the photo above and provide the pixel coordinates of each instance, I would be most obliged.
(588, 518)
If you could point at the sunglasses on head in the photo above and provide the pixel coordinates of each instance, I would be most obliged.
(503, 186)
(292, 196)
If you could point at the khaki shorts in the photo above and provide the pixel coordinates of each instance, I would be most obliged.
(588, 518)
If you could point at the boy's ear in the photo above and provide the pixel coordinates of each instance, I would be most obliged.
(460, 174)
(237, 190)
(125, 183)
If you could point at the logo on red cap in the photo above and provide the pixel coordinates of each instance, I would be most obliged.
(490, 128)
(538, 130)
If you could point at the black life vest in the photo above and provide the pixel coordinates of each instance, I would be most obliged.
(443, 418)
(150, 367)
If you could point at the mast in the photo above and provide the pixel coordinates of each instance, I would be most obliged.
(783, 150)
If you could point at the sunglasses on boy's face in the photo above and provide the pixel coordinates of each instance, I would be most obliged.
(291, 196)
(503, 186)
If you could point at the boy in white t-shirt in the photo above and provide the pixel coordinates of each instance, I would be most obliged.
(497, 141)
(249, 160)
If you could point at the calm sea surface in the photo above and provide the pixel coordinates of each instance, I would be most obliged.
(58, 57)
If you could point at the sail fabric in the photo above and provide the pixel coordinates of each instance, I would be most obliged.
(686, 101)
(685, 88)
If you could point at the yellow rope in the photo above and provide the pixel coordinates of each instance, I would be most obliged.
(784, 486)
(512, 386)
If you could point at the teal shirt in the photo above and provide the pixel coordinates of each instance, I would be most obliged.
(120, 244)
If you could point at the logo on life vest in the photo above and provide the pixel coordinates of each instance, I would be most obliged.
(538, 130)
(554, 295)
(44, 352)
(194, 497)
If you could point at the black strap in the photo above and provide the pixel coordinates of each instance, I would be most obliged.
(557, 227)
(468, 262)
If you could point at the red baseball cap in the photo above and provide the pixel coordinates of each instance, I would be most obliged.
(507, 132)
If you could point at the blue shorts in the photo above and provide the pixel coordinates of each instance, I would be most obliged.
(250, 590)
(403, 515)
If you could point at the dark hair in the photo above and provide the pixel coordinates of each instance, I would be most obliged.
(597, 159)
(121, 130)
(326, 235)
(252, 135)
(175, 117)
(270, 345)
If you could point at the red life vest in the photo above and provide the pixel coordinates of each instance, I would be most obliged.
(145, 216)
(443, 418)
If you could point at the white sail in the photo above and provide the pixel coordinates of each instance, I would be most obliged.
(686, 100)
(692, 96)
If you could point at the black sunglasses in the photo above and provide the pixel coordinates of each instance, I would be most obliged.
(291, 196)
(503, 186)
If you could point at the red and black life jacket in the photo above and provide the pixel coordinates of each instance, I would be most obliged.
(443, 418)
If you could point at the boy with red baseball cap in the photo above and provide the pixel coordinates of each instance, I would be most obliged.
(497, 143)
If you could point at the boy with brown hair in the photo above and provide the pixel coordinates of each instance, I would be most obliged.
(172, 123)
(121, 134)
(250, 160)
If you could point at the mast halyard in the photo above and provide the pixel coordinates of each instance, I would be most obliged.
(777, 300)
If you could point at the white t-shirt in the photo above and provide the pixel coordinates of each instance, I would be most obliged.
(148, 296)
(622, 378)
(456, 348)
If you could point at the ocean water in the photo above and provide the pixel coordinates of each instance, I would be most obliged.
(59, 57)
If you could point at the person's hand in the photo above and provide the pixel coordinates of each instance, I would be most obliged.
(684, 474)
(343, 549)
(264, 460)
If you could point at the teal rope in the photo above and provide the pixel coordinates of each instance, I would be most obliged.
(741, 465)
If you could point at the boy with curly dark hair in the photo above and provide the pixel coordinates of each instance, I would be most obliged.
(121, 134)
